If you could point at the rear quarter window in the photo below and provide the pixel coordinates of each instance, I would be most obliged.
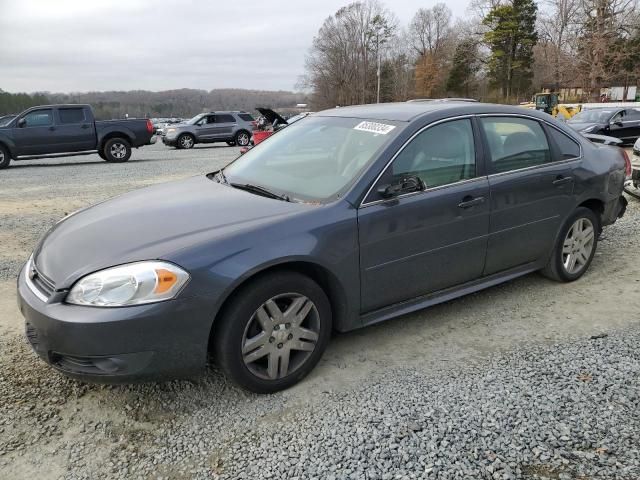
(567, 147)
(246, 117)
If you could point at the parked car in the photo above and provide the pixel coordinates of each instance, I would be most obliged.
(234, 128)
(63, 129)
(622, 123)
(260, 135)
(347, 218)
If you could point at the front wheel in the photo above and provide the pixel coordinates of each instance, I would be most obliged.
(116, 150)
(273, 332)
(575, 247)
(186, 141)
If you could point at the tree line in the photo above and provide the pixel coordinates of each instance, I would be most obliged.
(183, 103)
(503, 51)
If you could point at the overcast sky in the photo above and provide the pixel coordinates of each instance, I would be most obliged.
(88, 45)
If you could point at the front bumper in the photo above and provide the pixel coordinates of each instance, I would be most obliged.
(117, 345)
(169, 141)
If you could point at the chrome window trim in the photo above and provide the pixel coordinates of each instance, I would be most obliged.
(404, 145)
(427, 190)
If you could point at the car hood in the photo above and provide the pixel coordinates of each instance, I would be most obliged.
(579, 126)
(151, 223)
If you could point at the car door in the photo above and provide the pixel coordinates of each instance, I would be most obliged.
(34, 133)
(224, 126)
(631, 125)
(205, 128)
(75, 130)
(531, 182)
(425, 241)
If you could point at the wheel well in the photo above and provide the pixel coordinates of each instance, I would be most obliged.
(111, 135)
(595, 205)
(6, 147)
(323, 277)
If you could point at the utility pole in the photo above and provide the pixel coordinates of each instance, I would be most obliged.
(378, 52)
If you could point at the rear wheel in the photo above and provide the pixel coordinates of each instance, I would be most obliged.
(273, 332)
(186, 141)
(117, 150)
(242, 138)
(575, 247)
(5, 157)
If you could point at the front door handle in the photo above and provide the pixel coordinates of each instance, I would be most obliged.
(52, 128)
(469, 201)
(85, 125)
(561, 180)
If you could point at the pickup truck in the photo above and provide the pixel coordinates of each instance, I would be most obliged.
(58, 130)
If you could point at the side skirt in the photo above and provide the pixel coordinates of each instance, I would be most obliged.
(447, 294)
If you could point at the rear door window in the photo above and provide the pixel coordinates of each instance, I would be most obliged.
(71, 115)
(39, 118)
(515, 143)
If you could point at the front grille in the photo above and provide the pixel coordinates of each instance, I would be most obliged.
(39, 283)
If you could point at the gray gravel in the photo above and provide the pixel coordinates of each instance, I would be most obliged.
(506, 383)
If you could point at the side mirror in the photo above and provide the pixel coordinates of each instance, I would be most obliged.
(617, 123)
(408, 184)
(22, 123)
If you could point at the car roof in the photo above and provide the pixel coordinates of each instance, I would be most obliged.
(408, 111)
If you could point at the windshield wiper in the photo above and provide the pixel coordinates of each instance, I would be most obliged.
(257, 189)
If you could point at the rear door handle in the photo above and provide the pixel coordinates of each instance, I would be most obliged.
(469, 201)
(85, 125)
(52, 128)
(560, 180)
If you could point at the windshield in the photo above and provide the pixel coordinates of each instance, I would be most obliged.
(195, 119)
(592, 116)
(315, 159)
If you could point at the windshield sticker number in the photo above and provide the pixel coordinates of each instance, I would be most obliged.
(374, 127)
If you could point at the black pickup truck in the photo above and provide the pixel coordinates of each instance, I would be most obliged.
(57, 130)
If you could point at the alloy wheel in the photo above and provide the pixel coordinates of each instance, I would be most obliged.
(118, 150)
(243, 139)
(186, 142)
(578, 246)
(280, 336)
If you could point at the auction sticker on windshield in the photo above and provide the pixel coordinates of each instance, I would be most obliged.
(374, 127)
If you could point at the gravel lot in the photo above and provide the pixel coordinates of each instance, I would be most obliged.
(505, 383)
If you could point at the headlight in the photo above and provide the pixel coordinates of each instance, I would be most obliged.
(131, 284)
(171, 130)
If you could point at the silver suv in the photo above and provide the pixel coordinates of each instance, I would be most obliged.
(234, 128)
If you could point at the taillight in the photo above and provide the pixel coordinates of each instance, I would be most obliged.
(149, 126)
(627, 163)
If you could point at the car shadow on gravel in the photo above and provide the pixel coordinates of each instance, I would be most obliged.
(35, 163)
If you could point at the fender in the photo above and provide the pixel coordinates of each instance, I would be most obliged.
(106, 130)
(8, 142)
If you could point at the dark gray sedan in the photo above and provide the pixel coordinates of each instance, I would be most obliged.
(347, 218)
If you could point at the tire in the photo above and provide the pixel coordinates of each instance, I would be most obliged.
(5, 157)
(231, 144)
(242, 138)
(101, 153)
(185, 141)
(116, 150)
(566, 250)
(250, 347)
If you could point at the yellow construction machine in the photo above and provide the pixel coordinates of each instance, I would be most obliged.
(549, 103)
